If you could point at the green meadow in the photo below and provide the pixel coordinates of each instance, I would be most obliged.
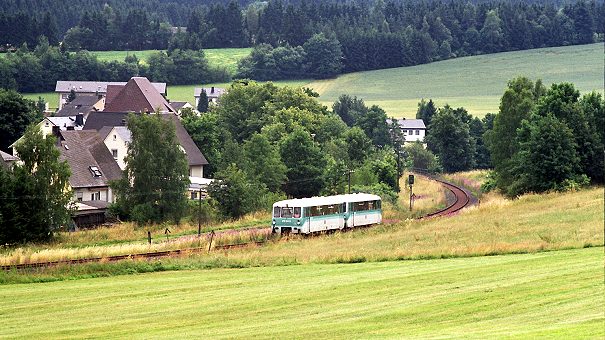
(476, 82)
(545, 295)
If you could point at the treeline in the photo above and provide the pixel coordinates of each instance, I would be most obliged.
(40, 69)
(402, 34)
(368, 31)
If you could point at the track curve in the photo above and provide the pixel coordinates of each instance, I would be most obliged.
(462, 199)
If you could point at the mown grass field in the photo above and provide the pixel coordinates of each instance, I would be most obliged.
(476, 82)
(553, 294)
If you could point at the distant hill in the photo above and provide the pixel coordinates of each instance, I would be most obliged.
(476, 82)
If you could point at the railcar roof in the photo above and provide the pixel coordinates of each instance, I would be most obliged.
(324, 200)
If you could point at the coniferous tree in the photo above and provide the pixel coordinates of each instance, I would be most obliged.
(202, 104)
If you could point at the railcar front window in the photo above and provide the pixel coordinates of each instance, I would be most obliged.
(286, 212)
(276, 211)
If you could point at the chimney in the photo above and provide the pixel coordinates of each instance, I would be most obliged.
(212, 89)
(79, 119)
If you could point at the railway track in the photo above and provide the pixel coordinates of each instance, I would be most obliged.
(462, 198)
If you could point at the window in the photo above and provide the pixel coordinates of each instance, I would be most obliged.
(114, 153)
(360, 206)
(79, 196)
(417, 132)
(286, 212)
(94, 170)
(296, 212)
(276, 211)
(115, 137)
(95, 196)
(193, 195)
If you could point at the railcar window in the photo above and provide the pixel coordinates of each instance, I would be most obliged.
(286, 212)
(297, 212)
(276, 211)
(316, 211)
(361, 206)
(371, 205)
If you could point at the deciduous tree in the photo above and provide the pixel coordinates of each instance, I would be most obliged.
(16, 113)
(35, 196)
(156, 176)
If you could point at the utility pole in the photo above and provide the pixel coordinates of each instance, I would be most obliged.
(199, 213)
(349, 172)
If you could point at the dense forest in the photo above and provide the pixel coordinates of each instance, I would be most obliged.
(293, 39)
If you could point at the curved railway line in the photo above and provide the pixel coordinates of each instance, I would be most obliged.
(461, 199)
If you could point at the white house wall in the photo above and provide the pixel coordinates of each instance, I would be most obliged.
(113, 141)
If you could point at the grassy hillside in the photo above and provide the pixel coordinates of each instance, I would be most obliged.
(554, 294)
(476, 83)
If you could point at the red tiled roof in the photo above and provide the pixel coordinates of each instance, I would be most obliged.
(138, 95)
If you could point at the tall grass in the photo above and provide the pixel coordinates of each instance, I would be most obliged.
(24, 255)
(532, 223)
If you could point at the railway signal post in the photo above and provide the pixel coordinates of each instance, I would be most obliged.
(411, 183)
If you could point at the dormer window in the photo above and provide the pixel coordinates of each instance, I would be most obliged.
(95, 171)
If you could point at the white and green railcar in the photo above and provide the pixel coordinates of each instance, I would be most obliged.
(316, 214)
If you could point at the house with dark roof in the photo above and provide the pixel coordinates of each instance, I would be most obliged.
(92, 168)
(96, 88)
(92, 165)
(83, 104)
(213, 94)
(413, 130)
(112, 128)
(53, 125)
(138, 95)
(7, 159)
(179, 106)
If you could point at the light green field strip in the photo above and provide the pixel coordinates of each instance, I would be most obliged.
(476, 82)
(225, 57)
(553, 294)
